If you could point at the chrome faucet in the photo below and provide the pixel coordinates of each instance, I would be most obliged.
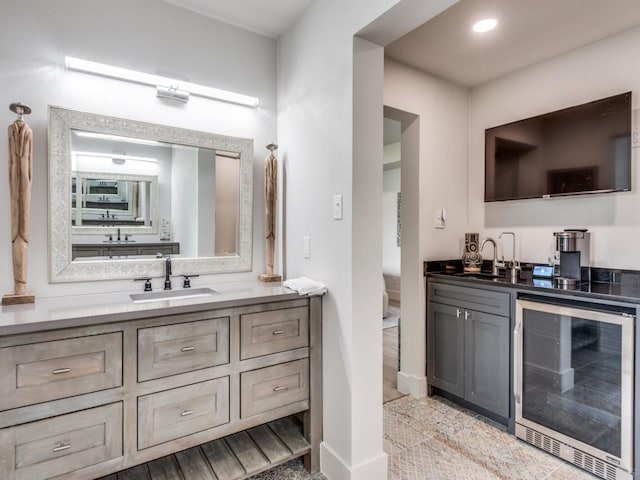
(494, 260)
(167, 273)
(513, 264)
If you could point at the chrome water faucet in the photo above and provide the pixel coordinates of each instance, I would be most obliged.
(494, 260)
(513, 264)
(167, 273)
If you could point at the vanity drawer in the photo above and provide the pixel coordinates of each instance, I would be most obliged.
(45, 371)
(182, 347)
(272, 387)
(271, 332)
(176, 413)
(59, 445)
(488, 301)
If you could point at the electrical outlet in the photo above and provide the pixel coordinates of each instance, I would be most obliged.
(306, 249)
(635, 137)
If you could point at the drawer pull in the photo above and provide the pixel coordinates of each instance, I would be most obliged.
(279, 388)
(277, 332)
(62, 448)
(187, 349)
(187, 412)
(58, 371)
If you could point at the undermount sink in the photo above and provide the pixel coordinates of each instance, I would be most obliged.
(171, 294)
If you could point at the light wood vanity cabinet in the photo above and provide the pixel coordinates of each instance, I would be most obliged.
(84, 402)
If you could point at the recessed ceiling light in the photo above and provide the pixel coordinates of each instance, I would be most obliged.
(485, 25)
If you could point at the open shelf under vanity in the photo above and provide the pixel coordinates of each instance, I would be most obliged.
(233, 457)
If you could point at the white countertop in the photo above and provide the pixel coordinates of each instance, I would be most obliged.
(80, 310)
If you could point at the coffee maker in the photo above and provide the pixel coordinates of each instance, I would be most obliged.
(573, 257)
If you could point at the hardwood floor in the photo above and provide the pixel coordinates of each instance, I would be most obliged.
(390, 364)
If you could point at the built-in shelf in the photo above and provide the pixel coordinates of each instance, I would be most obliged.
(234, 457)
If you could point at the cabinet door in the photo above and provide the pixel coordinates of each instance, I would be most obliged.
(445, 348)
(487, 361)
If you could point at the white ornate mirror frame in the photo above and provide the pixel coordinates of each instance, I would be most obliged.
(61, 266)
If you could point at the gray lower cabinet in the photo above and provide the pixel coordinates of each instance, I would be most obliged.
(467, 348)
(85, 402)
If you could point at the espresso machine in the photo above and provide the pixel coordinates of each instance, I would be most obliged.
(573, 258)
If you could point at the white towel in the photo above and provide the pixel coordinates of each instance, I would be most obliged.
(306, 286)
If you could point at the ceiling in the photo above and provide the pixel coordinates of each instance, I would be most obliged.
(270, 18)
(529, 31)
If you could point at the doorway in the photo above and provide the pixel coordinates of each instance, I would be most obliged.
(391, 260)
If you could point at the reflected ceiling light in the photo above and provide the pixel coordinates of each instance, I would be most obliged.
(117, 138)
(166, 87)
(485, 25)
(115, 156)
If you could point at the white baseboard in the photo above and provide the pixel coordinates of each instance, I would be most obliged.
(412, 385)
(335, 468)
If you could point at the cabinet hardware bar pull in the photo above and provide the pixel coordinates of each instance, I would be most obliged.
(458, 313)
(517, 358)
(467, 315)
(187, 349)
(277, 332)
(279, 388)
(62, 448)
(187, 412)
(58, 371)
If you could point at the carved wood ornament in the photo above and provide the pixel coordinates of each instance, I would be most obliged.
(270, 199)
(20, 177)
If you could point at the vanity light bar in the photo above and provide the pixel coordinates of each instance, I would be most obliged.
(165, 83)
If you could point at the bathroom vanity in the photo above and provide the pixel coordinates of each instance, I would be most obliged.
(106, 384)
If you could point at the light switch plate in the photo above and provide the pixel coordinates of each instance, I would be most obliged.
(440, 218)
(635, 137)
(337, 207)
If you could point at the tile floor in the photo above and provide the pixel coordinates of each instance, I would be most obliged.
(433, 439)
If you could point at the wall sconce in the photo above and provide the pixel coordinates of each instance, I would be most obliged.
(165, 87)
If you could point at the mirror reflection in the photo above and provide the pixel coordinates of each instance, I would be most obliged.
(138, 197)
(103, 200)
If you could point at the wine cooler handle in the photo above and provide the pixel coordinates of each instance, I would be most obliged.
(517, 360)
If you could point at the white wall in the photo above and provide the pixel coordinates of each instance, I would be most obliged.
(434, 178)
(390, 190)
(315, 132)
(598, 70)
(145, 35)
(442, 108)
(330, 132)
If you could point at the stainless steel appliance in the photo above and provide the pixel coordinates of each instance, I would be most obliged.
(573, 257)
(573, 382)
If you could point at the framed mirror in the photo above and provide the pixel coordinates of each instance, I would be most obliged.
(124, 193)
